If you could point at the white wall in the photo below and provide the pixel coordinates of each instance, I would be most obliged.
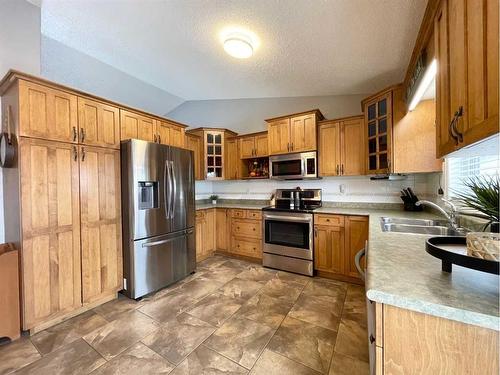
(248, 115)
(19, 49)
(68, 66)
(354, 189)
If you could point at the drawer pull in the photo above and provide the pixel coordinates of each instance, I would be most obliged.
(328, 220)
(372, 339)
(253, 229)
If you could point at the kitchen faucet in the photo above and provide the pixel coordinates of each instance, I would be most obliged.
(450, 216)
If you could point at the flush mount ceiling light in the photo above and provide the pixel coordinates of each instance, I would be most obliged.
(239, 43)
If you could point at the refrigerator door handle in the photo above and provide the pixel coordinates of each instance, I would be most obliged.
(174, 190)
(166, 183)
(157, 243)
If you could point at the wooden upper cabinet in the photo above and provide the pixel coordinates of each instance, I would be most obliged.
(47, 113)
(254, 146)
(169, 134)
(50, 257)
(261, 145)
(232, 161)
(99, 123)
(356, 235)
(329, 148)
(303, 133)
(195, 144)
(466, 38)
(101, 235)
(247, 147)
(342, 147)
(378, 129)
(136, 126)
(279, 136)
(352, 147)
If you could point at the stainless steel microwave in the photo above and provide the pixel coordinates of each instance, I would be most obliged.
(293, 166)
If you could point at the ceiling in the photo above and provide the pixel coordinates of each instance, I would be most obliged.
(307, 47)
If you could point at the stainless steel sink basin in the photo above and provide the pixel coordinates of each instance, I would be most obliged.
(418, 226)
(403, 220)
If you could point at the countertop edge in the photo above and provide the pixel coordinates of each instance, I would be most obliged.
(441, 311)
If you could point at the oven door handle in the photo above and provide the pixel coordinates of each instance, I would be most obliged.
(287, 218)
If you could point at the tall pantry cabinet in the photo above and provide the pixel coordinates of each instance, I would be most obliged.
(62, 198)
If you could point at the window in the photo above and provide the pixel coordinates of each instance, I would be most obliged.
(481, 159)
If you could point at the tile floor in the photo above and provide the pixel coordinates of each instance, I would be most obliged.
(230, 317)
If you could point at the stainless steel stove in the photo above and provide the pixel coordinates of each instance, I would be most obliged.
(288, 226)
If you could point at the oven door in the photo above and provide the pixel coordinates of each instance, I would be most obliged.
(289, 234)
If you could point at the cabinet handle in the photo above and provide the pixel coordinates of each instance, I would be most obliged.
(75, 135)
(372, 339)
(457, 115)
(82, 134)
(253, 229)
(288, 146)
(342, 169)
(75, 153)
(159, 138)
(292, 146)
(337, 170)
(154, 138)
(328, 220)
(83, 153)
(315, 232)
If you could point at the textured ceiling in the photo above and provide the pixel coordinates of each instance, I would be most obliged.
(307, 47)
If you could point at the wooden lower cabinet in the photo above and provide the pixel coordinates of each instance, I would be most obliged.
(337, 239)
(223, 229)
(101, 230)
(205, 233)
(417, 343)
(50, 244)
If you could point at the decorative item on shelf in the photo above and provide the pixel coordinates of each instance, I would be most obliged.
(409, 200)
(483, 245)
(483, 199)
(214, 198)
(258, 168)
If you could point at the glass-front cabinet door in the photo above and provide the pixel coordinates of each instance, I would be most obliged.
(378, 118)
(214, 155)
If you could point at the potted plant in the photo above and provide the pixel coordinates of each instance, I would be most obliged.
(214, 198)
(483, 198)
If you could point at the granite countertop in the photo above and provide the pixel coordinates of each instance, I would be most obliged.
(243, 206)
(401, 273)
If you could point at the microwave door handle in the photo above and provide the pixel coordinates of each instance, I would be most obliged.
(174, 190)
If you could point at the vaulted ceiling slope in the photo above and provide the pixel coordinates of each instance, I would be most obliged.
(308, 47)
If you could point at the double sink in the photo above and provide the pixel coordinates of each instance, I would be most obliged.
(418, 226)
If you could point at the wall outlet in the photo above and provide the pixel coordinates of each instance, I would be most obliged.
(342, 188)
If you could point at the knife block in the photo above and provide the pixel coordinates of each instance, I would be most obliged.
(10, 325)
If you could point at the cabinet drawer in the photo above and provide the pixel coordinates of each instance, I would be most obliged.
(336, 220)
(247, 228)
(254, 214)
(247, 247)
(241, 214)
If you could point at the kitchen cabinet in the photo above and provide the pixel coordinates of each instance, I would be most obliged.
(341, 149)
(466, 47)
(50, 256)
(167, 133)
(99, 123)
(293, 133)
(213, 155)
(337, 239)
(205, 233)
(232, 159)
(101, 230)
(223, 229)
(253, 146)
(46, 113)
(412, 342)
(136, 126)
(195, 144)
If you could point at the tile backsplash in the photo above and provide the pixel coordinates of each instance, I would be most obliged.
(335, 189)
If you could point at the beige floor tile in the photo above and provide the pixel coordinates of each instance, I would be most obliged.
(113, 338)
(178, 337)
(240, 289)
(258, 273)
(167, 307)
(205, 361)
(329, 290)
(271, 363)
(241, 340)
(343, 365)
(139, 359)
(264, 309)
(288, 276)
(317, 311)
(17, 354)
(62, 334)
(305, 343)
(77, 358)
(352, 340)
(215, 308)
(113, 309)
(284, 290)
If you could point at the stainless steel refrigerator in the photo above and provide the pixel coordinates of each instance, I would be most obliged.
(158, 216)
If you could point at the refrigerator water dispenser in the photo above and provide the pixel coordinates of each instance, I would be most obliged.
(148, 195)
